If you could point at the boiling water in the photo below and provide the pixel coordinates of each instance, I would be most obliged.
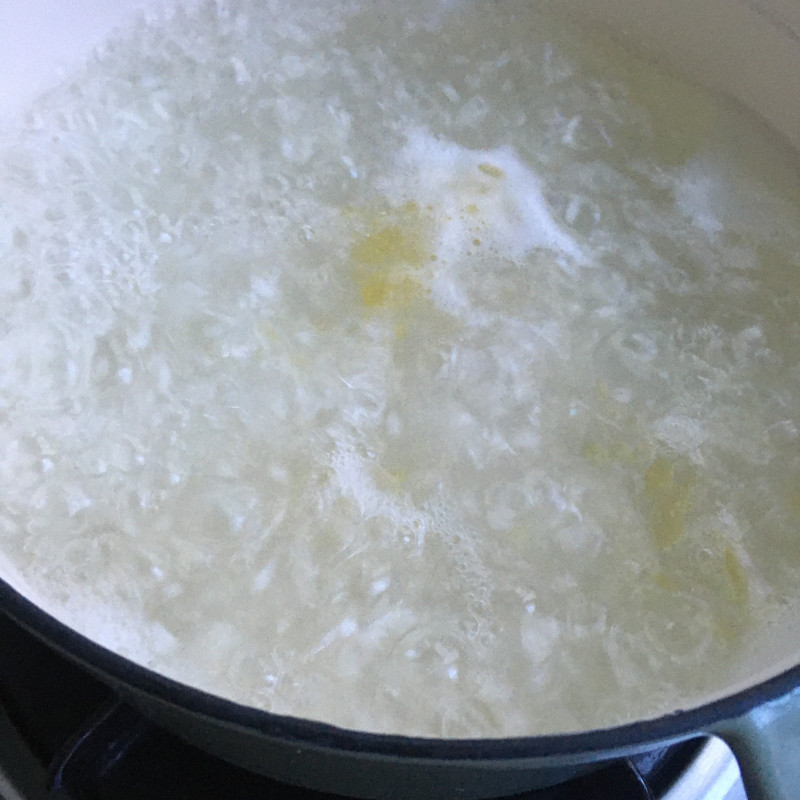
(416, 368)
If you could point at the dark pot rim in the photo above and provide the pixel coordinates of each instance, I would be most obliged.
(127, 674)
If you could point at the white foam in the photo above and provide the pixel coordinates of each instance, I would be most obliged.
(700, 192)
(491, 195)
(683, 434)
(539, 635)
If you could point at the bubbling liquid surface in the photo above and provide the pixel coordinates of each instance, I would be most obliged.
(417, 368)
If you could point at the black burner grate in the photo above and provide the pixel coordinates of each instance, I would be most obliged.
(96, 747)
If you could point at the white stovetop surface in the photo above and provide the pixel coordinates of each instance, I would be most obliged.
(714, 776)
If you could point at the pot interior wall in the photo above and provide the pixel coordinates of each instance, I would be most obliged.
(747, 49)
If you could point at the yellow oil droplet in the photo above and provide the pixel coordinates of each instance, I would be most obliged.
(668, 500)
(665, 582)
(614, 452)
(737, 577)
(385, 258)
(382, 290)
(733, 615)
(491, 170)
(374, 289)
(389, 246)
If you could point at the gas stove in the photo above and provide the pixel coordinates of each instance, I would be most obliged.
(65, 736)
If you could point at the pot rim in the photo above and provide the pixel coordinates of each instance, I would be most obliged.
(125, 673)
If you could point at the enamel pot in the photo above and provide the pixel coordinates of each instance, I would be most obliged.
(749, 49)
